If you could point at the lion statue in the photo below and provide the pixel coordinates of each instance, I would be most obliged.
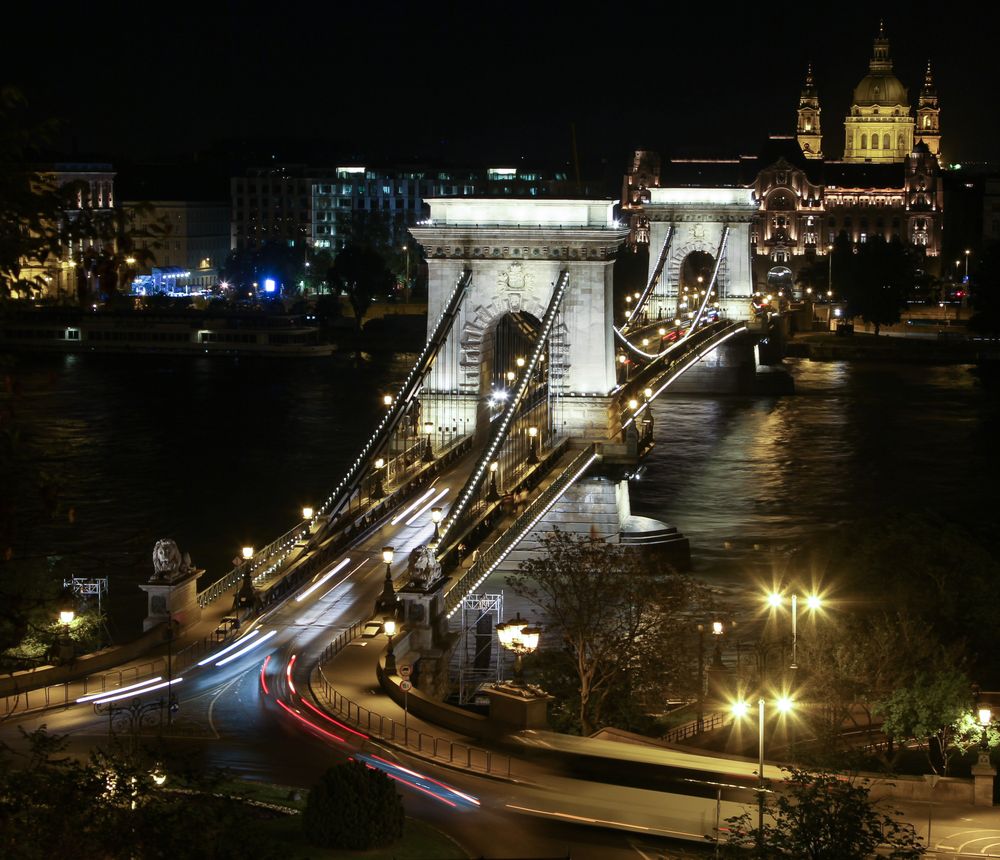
(168, 564)
(424, 567)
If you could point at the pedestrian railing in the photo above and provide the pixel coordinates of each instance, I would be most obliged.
(695, 727)
(68, 692)
(388, 729)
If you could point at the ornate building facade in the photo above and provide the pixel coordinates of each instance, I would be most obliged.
(887, 184)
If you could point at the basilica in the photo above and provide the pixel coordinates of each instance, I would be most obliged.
(887, 183)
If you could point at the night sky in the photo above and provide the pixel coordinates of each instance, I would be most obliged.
(478, 82)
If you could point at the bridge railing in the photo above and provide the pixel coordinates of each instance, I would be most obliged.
(445, 750)
(653, 280)
(489, 560)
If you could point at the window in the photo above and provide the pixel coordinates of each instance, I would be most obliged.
(863, 237)
(864, 141)
(885, 142)
(874, 141)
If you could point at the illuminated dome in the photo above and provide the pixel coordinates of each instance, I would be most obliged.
(880, 88)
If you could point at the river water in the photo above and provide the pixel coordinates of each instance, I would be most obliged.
(218, 453)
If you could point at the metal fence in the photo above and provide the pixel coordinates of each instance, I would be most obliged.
(387, 729)
(695, 727)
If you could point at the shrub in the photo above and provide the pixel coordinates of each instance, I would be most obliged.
(355, 807)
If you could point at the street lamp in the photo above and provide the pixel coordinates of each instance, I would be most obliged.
(387, 400)
(436, 519)
(66, 617)
(533, 446)
(967, 252)
(378, 493)
(740, 709)
(390, 658)
(307, 513)
(247, 553)
(493, 495)
(985, 717)
(813, 602)
(428, 452)
(518, 637)
(387, 600)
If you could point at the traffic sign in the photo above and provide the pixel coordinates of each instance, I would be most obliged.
(405, 686)
(404, 670)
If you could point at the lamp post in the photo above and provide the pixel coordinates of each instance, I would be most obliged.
(532, 446)
(967, 252)
(494, 494)
(740, 709)
(387, 599)
(436, 519)
(406, 289)
(519, 638)
(813, 602)
(66, 616)
(985, 715)
(378, 493)
(390, 658)
(428, 451)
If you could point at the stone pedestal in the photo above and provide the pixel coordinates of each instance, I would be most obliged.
(428, 641)
(983, 774)
(517, 708)
(177, 600)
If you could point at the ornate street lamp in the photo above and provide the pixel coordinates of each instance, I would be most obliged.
(436, 514)
(428, 452)
(390, 657)
(533, 446)
(378, 493)
(519, 637)
(493, 495)
(387, 599)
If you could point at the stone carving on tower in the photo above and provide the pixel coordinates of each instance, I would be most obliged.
(808, 132)
(929, 115)
(879, 128)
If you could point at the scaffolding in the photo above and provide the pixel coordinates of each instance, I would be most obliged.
(479, 660)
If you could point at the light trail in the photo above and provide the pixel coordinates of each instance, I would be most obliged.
(246, 650)
(142, 691)
(324, 578)
(428, 506)
(426, 791)
(93, 696)
(326, 716)
(313, 726)
(288, 675)
(419, 501)
(241, 641)
(414, 773)
(263, 669)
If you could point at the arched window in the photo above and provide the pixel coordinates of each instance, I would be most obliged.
(885, 142)
(864, 141)
(874, 141)
(900, 142)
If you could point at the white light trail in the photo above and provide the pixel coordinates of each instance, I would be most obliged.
(144, 690)
(101, 695)
(406, 513)
(324, 578)
(428, 506)
(241, 641)
(246, 650)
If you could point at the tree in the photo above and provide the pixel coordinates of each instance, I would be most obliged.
(355, 807)
(29, 205)
(361, 272)
(620, 620)
(880, 275)
(931, 711)
(822, 816)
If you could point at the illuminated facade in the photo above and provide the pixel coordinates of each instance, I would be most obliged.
(888, 183)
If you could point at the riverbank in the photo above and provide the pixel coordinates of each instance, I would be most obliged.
(828, 346)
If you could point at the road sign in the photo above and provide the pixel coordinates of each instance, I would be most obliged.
(405, 686)
(404, 670)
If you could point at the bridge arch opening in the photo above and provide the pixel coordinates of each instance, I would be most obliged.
(695, 275)
(507, 344)
(780, 280)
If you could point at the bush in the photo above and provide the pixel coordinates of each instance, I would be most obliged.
(353, 807)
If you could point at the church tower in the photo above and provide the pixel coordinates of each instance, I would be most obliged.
(879, 128)
(929, 116)
(808, 131)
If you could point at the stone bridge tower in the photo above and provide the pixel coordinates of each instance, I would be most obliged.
(516, 250)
